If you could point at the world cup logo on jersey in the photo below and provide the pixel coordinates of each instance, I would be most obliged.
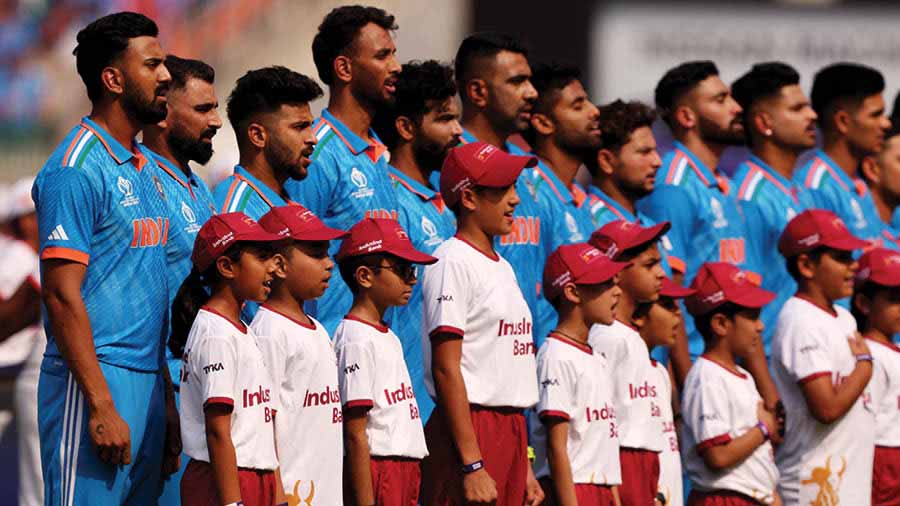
(828, 483)
(719, 220)
(362, 184)
(127, 188)
(431, 232)
(188, 214)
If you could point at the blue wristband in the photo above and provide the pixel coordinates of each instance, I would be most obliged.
(474, 466)
(864, 356)
(764, 429)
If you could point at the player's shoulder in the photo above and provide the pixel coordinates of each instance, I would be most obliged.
(814, 174)
(675, 170)
(352, 332)
(328, 142)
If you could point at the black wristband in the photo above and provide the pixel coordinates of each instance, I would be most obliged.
(474, 466)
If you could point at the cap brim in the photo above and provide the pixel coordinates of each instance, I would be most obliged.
(505, 173)
(752, 297)
(649, 234)
(412, 255)
(601, 274)
(673, 290)
(846, 243)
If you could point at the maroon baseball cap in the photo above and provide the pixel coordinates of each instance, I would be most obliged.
(880, 266)
(673, 290)
(581, 264)
(299, 223)
(381, 235)
(814, 228)
(479, 164)
(719, 282)
(223, 230)
(618, 236)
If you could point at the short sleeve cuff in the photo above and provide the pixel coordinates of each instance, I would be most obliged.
(222, 401)
(553, 413)
(359, 403)
(446, 329)
(816, 375)
(57, 252)
(716, 441)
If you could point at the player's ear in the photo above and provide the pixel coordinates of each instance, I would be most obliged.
(342, 68)
(226, 267)
(570, 293)
(720, 324)
(257, 134)
(684, 116)
(406, 128)
(365, 276)
(870, 170)
(842, 120)
(607, 161)
(862, 303)
(806, 266)
(762, 123)
(477, 92)
(542, 124)
(468, 200)
(113, 80)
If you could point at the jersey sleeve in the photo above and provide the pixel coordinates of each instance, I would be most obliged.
(804, 355)
(446, 292)
(316, 191)
(558, 382)
(215, 367)
(356, 374)
(672, 204)
(708, 414)
(68, 205)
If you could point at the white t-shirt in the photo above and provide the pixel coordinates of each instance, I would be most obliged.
(477, 297)
(20, 265)
(719, 406)
(637, 400)
(575, 386)
(834, 459)
(222, 364)
(373, 373)
(885, 389)
(670, 478)
(308, 428)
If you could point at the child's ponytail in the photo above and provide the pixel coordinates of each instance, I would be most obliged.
(192, 295)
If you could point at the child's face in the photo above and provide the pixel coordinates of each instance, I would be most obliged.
(308, 269)
(598, 302)
(662, 322)
(642, 279)
(884, 313)
(393, 280)
(495, 207)
(253, 274)
(746, 333)
(834, 274)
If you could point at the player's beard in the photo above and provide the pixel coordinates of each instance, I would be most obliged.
(280, 157)
(430, 155)
(714, 134)
(186, 147)
(146, 111)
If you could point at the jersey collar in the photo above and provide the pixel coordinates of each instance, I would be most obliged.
(847, 183)
(272, 198)
(612, 205)
(573, 194)
(175, 172)
(355, 143)
(785, 185)
(707, 176)
(425, 193)
(120, 153)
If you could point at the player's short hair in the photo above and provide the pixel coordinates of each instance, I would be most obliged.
(870, 290)
(339, 30)
(702, 322)
(480, 46)
(184, 69)
(265, 90)
(104, 40)
(764, 80)
(549, 79)
(814, 255)
(348, 266)
(618, 120)
(679, 81)
(846, 84)
(418, 84)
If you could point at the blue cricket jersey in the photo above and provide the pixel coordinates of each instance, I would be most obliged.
(103, 205)
(348, 180)
(428, 222)
(191, 204)
(707, 225)
(769, 201)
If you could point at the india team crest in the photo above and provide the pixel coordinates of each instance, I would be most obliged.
(159, 187)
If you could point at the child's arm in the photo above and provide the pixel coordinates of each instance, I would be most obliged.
(558, 458)
(280, 497)
(359, 468)
(222, 456)
(453, 400)
(826, 402)
(723, 456)
(617, 501)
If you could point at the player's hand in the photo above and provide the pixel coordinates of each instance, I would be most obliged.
(534, 494)
(777, 496)
(110, 433)
(768, 418)
(172, 447)
(479, 487)
(858, 345)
